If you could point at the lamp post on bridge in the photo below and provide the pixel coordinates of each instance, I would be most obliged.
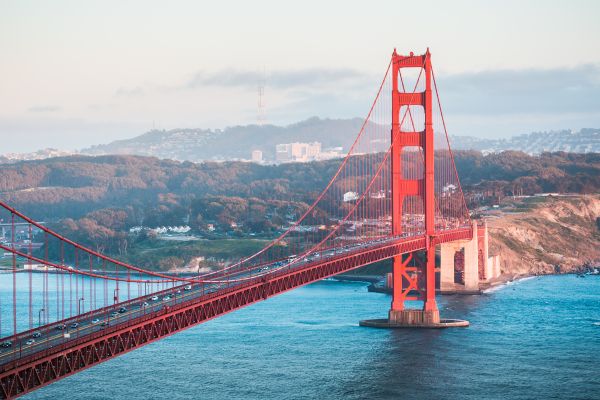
(79, 308)
(40, 316)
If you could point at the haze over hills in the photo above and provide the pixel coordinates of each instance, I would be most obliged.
(234, 142)
(583, 141)
(238, 142)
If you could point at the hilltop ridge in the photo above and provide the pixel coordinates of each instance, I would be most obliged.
(232, 143)
(237, 142)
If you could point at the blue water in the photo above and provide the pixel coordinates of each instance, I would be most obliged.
(534, 339)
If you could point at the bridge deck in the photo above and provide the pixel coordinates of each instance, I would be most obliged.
(144, 320)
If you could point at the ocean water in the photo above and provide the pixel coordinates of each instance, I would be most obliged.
(533, 339)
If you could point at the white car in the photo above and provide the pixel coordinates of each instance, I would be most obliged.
(154, 298)
(188, 287)
(166, 298)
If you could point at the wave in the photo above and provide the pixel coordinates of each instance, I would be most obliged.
(527, 278)
(495, 288)
(508, 283)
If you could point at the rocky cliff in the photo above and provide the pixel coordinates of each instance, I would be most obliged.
(548, 235)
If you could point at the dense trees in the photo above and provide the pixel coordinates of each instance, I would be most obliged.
(513, 171)
(105, 196)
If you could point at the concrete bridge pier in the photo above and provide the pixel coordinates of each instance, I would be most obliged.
(467, 265)
(401, 317)
(459, 264)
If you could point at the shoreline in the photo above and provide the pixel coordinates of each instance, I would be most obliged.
(486, 287)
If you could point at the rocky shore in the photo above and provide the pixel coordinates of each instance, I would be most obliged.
(534, 236)
(554, 236)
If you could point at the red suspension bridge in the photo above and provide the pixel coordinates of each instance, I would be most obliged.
(396, 193)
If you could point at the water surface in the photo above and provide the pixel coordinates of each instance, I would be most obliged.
(535, 339)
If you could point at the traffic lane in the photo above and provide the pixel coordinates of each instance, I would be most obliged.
(85, 325)
(49, 340)
(44, 343)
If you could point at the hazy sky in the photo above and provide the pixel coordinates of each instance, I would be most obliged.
(75, 73)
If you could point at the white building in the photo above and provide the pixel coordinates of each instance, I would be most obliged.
(330, 154)
(37, 267)
(257, 156)
(378, 195)
(297, 152)
(350, 196)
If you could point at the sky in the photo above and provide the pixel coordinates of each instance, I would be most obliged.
(77, 73)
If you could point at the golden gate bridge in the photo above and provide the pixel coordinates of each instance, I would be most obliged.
(405, 201)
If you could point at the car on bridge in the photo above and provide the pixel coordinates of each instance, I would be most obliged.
(6, 344)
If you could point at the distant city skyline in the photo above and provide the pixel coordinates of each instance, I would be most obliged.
(75, 74)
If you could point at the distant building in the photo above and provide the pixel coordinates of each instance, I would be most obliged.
(38, 155)
(161, 230)
(585, 140)
(378, 195)
(449, 189)
(329, 154)
(297, 152)
(257, 156)
(350, 196)
(37, 267)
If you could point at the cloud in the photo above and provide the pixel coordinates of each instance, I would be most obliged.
(44, 109)
(248, 79)
(545, 91)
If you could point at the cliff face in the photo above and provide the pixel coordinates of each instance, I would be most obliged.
(557, 235)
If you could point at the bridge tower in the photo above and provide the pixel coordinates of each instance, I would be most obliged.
(410, 279)
(424, 188)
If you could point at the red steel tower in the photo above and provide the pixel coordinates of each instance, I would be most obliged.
(405, 279)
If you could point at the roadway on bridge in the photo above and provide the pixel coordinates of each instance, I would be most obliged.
(120, 313)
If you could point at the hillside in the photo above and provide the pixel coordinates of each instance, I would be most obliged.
(80, 195)
(234, 142)
(76, 185)
(583, 141)
(558, 235)
(239, 141)
(516, 173)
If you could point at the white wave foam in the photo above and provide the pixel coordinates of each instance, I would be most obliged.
(509, 283)
(527, 278)
(495, 288)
